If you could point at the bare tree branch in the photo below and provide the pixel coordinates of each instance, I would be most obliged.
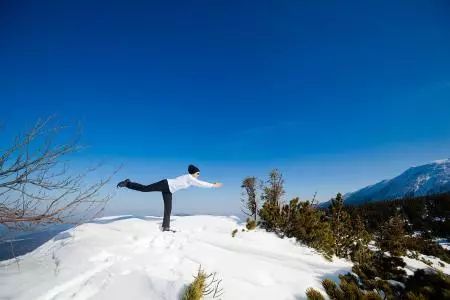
(37, 186)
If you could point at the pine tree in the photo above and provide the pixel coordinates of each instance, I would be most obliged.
(274, 190)
(313, 294)
(341, 226)
(310, 227)
(296, 219)
(288, 215)
(333, 291)
(374, 273)
(271, 211)
(203, 285)
(194, 291)
(250, 202)
(348, 289)
(270, 216)
(430, 284)
(371, 281)
(392, 236)
(360, 251)
(251, 224)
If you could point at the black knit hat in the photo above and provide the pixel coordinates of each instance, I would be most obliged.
(193, 169)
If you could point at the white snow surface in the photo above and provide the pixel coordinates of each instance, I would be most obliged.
(130, 258)
(414, 264)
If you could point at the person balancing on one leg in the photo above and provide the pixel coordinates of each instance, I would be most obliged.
(170, 186)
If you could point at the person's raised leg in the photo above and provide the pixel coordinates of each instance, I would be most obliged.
(159, 186)
(167, 197)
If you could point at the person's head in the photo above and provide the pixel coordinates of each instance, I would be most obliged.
(194, 171)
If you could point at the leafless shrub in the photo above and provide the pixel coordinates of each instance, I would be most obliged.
(36, 185)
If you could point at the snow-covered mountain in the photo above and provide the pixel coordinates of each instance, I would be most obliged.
(131, 258)
(432, 178)
(126, 257)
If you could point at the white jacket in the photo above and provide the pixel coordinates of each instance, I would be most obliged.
(185, 181)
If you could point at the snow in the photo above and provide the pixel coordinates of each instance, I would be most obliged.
(441, 161)
(112, 217)
(396, 283)
(444, 243)
(428, 179)
(130, 258)
(414, 264)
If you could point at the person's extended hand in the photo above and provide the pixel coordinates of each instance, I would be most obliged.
(217, 184)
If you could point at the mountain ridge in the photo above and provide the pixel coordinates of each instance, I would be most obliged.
(428, 179)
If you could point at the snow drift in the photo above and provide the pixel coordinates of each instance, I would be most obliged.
(130, 258)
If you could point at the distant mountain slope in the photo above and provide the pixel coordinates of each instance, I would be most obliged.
(432, 178)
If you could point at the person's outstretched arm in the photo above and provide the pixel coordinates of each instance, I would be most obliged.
(201, 183)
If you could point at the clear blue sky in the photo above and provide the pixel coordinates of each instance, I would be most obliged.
(335, 94)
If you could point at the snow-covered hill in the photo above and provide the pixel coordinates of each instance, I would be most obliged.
(422, 180)
(130, 258)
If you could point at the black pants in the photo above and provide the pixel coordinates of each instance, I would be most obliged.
(160, 186)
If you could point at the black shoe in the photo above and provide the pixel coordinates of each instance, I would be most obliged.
(167, 229)
(123, 183)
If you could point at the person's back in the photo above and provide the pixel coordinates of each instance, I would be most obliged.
(185, 181)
